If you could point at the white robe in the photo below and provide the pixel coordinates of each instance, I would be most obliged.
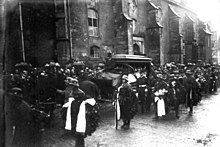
(160, 102)
(160, 106)
(67, 105)
(81, 117)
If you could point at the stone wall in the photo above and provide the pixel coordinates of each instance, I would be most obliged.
(166, 43)
(121, 30)
(78, 27)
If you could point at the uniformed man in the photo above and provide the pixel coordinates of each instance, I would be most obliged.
(151, 82)
(213, 81)
(142, 89)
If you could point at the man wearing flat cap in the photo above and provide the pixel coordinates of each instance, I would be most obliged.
(21, 120)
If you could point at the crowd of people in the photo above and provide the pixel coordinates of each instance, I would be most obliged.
(170, 85)
(38, 91)
(43, 89)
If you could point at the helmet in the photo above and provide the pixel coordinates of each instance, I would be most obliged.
(125, 77)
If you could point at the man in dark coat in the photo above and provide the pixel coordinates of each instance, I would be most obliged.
(190, 85)
(176, 95)
(142, 89)
(22, 120)
(151, 82)
(213, 81)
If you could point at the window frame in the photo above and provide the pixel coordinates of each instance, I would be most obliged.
(96, 52)
(93, 22)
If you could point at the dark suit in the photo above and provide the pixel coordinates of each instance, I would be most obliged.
(141, 86)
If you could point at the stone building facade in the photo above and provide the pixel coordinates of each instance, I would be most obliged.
(92, 30)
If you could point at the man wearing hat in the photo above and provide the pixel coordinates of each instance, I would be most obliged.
(71, 85)
(74, 109)
(21, 118)
(160, 92)
(127, 101)
(141, 90)
(190, 85)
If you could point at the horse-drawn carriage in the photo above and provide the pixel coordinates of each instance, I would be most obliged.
(120, 64)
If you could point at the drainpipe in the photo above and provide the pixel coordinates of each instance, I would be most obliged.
(21, 29)
(69, 25)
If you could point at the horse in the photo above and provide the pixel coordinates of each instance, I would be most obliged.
(90, 89)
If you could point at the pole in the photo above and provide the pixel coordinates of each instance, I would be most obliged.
(116, 114)
(22, 34)
(116, 109)
(69, 24)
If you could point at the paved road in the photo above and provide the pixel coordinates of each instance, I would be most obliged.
(201, 129)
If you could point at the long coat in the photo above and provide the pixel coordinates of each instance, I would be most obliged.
(23, 125)
(127, 101)
(190, 85)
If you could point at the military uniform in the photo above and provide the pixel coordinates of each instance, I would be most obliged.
(141, 89)
(213, 81)
(151, 82)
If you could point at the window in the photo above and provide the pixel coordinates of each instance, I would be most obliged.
(138, 45)
(93, 22)
(208, 44)
(95, 52)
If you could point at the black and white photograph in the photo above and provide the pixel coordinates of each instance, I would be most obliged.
(109, 73)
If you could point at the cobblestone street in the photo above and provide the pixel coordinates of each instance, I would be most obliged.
(201, 129)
